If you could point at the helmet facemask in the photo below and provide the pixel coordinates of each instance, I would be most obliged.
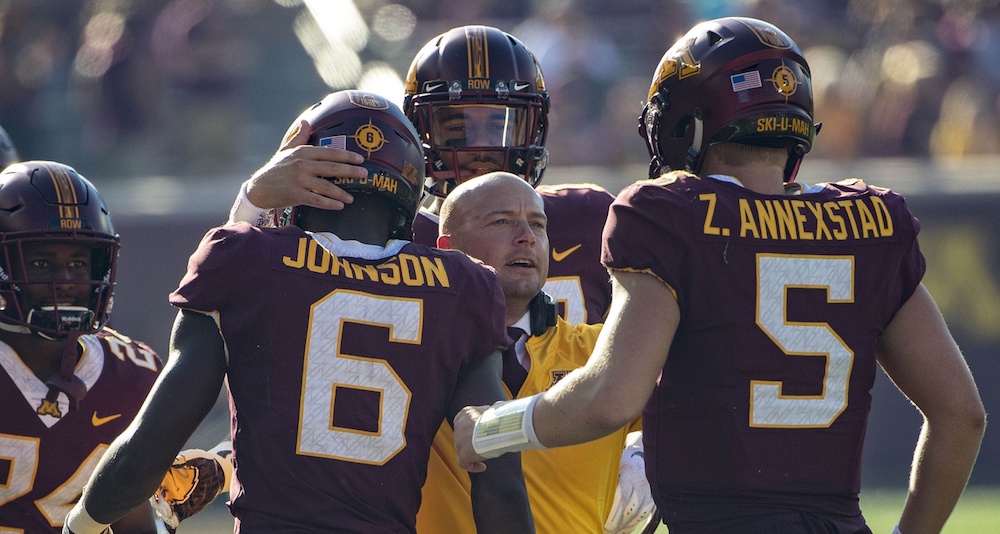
(471, 136)
(32, 300)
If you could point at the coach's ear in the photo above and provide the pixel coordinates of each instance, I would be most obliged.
(444, 242)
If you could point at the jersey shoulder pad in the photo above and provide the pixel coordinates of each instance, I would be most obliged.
(555, 188)
(107, 333)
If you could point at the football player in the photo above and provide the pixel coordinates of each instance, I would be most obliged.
(749, 317)
(343, 347)
(69, 383)
(477, 97)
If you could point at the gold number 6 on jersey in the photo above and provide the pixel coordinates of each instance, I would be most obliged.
(326, 369)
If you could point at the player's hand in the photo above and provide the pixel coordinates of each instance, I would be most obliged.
(194, 480)
(465, 425)
(633, 504)
(296, 174)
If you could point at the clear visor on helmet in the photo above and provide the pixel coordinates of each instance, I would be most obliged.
(479, 125)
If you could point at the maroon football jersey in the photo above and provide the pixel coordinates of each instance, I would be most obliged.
(763, 400)
(343, 359)
(577, 280)
(47, 450)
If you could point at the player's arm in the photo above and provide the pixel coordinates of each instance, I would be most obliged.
(919, 355)
(610, 390)
(185, 392)
(295, 177)
(499, 497)
(141, 520)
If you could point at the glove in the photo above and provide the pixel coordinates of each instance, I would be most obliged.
(194, 480)
(633, 504)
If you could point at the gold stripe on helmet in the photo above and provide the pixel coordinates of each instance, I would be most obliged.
(65, 193)
(478, 52)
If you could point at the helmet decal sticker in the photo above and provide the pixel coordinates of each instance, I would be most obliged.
(745, 81)
(367, 100)
(336, 141)
(784, 81)
(767, 35)
(369, 138)
(410, 173)
(681, 62)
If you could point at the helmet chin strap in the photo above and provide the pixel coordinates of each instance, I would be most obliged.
(64, 319)
(67, 381)
(795, 155)
(695, 149)
(14, 328)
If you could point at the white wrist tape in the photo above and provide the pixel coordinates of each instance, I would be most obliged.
(506, 427)
(895, 530)
(78, 521)
(244, 211)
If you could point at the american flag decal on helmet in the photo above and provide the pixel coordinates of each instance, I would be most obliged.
(745, 80)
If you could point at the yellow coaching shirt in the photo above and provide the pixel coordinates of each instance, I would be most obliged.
(571, 489)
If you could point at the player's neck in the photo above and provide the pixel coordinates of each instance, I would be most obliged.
(42, 356)
(365, 220)
(762, 179)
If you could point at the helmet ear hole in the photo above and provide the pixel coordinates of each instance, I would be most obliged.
(681, 128)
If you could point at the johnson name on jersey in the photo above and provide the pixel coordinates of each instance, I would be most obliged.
(343, 358)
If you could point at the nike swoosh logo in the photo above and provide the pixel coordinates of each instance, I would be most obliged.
(431, 87)
(560, 256)
(521, 86)
(98, 421)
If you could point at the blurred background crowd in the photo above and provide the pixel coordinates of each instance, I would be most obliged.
(168, 105)
(204, 88)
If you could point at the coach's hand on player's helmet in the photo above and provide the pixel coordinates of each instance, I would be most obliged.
(296, 174)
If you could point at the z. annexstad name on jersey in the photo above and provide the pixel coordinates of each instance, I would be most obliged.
(796, 219)
(405, 269)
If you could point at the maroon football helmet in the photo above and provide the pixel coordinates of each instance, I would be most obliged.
(370, 125)
(477, 97)
(42, 203)
(733, 79)
(8, 154)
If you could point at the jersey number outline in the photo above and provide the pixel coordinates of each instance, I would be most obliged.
(22, 453)
(776, 274)
(326, 368)
(568, 290)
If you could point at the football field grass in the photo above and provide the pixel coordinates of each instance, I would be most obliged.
(978, 511)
